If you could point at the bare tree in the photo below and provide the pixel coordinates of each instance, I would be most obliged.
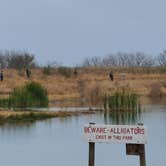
(19, 60)
(162, 58)
(3, 62)
(87, 63)
(96, 61)
(137, 59)
(110, 60)
(123, 59)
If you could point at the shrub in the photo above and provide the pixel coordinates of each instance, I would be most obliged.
(155, 89)
(30, 95)
(4, 102)
(65, 71)
(90, 93)
(47, 70)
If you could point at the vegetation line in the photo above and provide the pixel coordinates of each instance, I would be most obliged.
(122, 101)
(6, 116)
(30, 95)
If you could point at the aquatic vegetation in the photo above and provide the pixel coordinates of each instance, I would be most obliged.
(121, 100)
(30, 95)
(123, 107)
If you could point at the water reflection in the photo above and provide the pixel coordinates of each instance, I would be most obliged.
(123, 117)
(17, 126)
(16, 131)
(28, 125)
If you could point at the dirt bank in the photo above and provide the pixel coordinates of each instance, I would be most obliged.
(6, 116)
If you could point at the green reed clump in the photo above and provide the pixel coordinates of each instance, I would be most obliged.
(4, 102)
(30, 95)
(121, 101)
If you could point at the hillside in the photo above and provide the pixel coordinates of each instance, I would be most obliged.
(87, 84)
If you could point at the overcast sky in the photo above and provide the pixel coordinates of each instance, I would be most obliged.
(68, 31)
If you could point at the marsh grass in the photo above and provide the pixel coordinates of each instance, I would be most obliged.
(30, 95)
(4, 102)
(121, 101)
(123, 107)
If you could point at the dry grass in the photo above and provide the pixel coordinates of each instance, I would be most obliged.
(6, 116)
(94, 80)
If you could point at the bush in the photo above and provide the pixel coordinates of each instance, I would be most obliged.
(19, 60)
(155, 89)
(47, 70)
(30, 95)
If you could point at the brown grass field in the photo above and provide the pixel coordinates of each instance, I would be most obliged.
(88, 83)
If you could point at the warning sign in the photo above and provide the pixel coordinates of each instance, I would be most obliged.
(115, 133)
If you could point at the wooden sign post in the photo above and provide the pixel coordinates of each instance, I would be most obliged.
(137, 149)
(142, 156)
(134, 136)
(91, 153)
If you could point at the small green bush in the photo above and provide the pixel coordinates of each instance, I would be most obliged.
(4, 102)
(30, 95)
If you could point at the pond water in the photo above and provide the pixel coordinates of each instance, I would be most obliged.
(59, 142)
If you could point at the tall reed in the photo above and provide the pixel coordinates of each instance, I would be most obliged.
(30, 95)
(121, 101)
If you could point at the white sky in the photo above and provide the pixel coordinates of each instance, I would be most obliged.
(68, 31)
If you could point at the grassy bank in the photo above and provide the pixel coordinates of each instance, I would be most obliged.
(88, 83)
(6, 116)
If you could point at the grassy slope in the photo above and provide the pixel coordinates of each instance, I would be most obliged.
(83, 84)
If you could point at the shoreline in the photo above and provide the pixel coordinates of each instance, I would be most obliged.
(13, 116)
(33, 115)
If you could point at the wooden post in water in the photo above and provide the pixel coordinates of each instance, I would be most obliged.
(142, 152)
(142, 156)
(91, 153)
(137, 149)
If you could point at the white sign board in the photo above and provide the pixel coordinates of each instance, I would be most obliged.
(115, 133)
